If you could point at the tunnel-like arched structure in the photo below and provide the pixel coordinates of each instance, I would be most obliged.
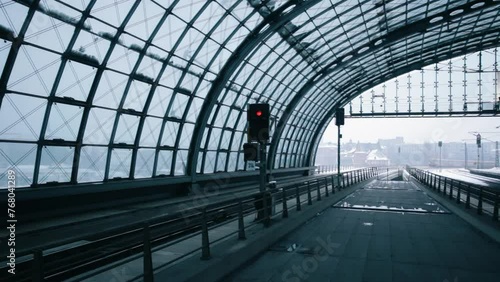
(92, 91)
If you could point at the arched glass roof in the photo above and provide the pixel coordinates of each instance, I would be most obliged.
(92, 91)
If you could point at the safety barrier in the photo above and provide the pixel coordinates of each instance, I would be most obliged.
(135, 241)
(483, 199)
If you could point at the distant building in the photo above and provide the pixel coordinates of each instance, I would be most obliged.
(377, 158)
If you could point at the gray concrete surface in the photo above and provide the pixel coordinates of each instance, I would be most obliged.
(346, 244)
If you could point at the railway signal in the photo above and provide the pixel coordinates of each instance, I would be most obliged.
(258, 122)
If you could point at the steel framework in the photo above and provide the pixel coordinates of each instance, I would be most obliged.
(93, 91)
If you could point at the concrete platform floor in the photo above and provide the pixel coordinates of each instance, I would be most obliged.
(384, 244)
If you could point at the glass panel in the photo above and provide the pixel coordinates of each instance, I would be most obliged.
(99, 126)
(21, 117)
(170, 133)
(64, 122)
(92, 163)
(34, 71)
(76, 81)
(20, 158)
(151, 131)
(56, 164)
(164, 162)
(144, 163)
(120, 163)
(180, 163)
(127, 129)
(110, 89)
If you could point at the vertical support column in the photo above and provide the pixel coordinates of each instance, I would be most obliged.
(297, 196)
(326, 187)
(262, 167)
(309, 199)
(444, 186)
(333, 185)
(241, 222)
(439, 184)
(205, 243)
(451, 188)
(338, 155)
(37, 274)
(148, 256)
(480, 202)
(267, 208)
(467, 200)
(495, 208)
(284, 200)
(318, 190)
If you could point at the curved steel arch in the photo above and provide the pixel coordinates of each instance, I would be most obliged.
(327, 45)
(270, 24)
(326, 119)
(374, 45)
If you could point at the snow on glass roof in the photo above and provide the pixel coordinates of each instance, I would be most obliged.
(92, 91)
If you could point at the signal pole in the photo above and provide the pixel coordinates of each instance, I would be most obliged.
(339, 120)
(466, 158)
(440, 144)
(497, 158)
(338, 154)
(262, 166)
(478, 142)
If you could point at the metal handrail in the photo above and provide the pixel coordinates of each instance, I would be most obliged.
(145, 238)
(461, 191)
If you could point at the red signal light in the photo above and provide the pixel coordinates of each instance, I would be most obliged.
(258, 113)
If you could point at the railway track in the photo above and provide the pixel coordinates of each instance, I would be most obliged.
(122, 242)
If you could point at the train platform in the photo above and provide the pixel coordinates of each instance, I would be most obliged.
(384, 231)
(59, 233)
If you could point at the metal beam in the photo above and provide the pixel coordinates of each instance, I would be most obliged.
(264, 29)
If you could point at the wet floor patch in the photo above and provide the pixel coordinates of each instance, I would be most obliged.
(392, 197)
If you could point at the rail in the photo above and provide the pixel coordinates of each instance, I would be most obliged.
(140, 240)
(483, 199)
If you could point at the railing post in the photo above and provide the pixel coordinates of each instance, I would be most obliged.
(297, 195)
(444, 186)
(326, 187)
(241, 222)
(458, 191)
(309, 198)
(333, 185)
(318, 191)
(148, 257)
(37, 274)
(480, 202)
(285, 205)
(205, 243)
(439, 184)
(495, 208)
(451, 188)
(467, 200)
(267, 215)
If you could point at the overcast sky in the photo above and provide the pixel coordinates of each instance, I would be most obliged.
(415, 130)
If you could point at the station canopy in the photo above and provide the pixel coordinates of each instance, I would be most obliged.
(92, 91)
